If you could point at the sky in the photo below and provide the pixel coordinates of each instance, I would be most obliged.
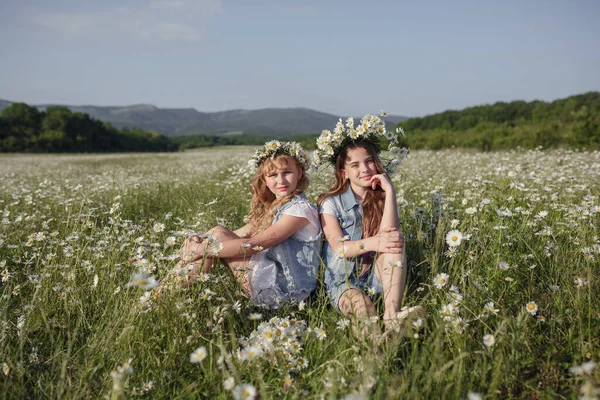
(341, 57)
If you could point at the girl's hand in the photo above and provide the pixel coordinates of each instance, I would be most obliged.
(382, 180)
(390, 241)
(191, 249)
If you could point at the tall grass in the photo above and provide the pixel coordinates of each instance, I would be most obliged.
(530, 223)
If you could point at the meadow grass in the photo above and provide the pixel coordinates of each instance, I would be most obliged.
(524, 268)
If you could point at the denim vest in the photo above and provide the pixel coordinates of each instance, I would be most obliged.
(343, 273)
(287, 271)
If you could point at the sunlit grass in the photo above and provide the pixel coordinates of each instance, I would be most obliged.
(75, 228)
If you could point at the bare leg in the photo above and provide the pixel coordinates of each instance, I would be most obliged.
(238, 267)
(356, 305)
(393, 279)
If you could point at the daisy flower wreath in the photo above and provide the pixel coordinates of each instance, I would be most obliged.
(370, 129)
(277, 148)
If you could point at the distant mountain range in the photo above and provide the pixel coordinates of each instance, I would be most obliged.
(189, 121)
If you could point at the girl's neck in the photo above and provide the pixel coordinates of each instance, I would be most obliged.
(359, 192)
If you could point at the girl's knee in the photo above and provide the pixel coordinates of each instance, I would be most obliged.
(218, 232)
(353, 302)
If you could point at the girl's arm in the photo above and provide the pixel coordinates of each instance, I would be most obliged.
(285, 227)
(244, 232)
(390, 208)
(387, 241)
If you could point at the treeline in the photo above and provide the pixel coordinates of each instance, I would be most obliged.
(572, 122)
(195, 141)
(26, 129)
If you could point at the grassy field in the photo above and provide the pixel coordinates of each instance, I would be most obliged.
(514, 305)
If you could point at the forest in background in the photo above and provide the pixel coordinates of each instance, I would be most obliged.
(24, 128)
(573, 122)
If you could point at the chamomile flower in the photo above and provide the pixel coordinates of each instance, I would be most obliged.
(341, 251)
(342, 323)
(489, 340)
(531, 307)
(229, 383)
(503, 265)
(5, 275)
(490, 308)
(158, 227)
(146, 387)
(250, 353)
(320, 333)
(454, 238)
(254, 316)
(198, 355)
(143, 281)
(244, 392)
(440, 280)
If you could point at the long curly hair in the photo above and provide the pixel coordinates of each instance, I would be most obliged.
(374, 200)
(264, 205)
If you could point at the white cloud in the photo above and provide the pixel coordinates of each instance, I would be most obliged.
(207, 8)
(160, 20)
(64, 21)
(165, 31)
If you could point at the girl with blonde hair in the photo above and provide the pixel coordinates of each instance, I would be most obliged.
(275, 256)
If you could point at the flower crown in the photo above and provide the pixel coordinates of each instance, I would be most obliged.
(277, 148)
(370, 129)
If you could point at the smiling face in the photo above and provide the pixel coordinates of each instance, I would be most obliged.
(359, 167)
(282, 176)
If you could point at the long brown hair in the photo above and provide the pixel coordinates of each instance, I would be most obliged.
(264, 204)
(374, 200)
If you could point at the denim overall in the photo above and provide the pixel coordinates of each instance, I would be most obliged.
(287, 271)
(342, 274)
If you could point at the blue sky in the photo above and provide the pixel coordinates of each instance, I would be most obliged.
(342, 57)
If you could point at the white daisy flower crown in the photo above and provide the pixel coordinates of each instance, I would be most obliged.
(370, 129)
(277, 148)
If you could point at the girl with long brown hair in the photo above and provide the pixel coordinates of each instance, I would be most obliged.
(364, 250)
(263, 255)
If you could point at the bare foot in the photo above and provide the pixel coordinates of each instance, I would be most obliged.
(402, 321)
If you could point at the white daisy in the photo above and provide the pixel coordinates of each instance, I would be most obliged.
(531, 307)
(489, 340)
(440, 280)
(198, 355)
(454, 238)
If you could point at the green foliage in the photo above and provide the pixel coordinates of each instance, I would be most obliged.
(572, 122)
(24, 129)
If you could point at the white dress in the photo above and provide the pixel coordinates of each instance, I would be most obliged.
(288, 271)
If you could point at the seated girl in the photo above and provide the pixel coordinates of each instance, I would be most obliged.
(275, 256)
(364, 252)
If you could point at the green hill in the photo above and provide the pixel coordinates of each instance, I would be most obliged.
(571, 122)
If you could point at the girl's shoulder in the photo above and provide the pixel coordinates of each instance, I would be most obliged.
(330, 206)
(300, 202)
